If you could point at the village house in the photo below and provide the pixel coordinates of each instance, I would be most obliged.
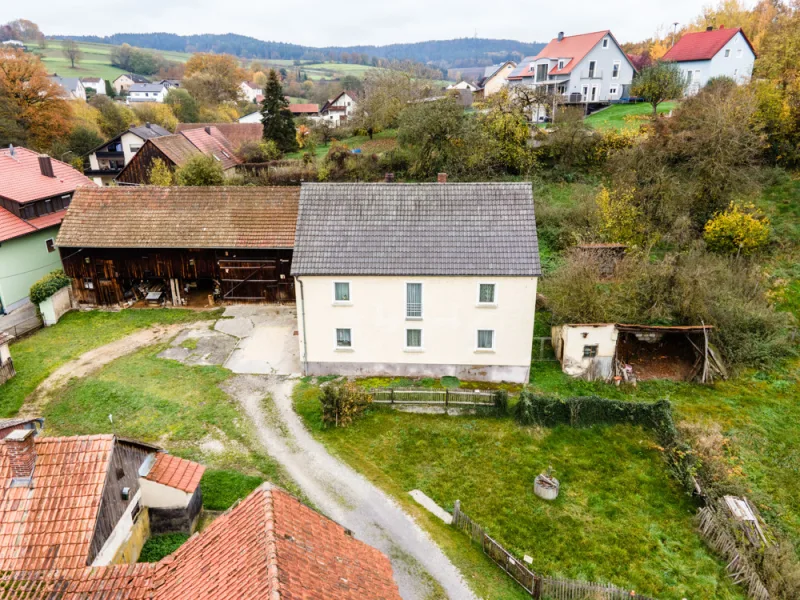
(175, 150)
(253, 117)
(420, 280)
(35, 191)
(147, 92)
(237, 134)
(713, 53)
(123, 83)
(589, 68)
(170, 84)
(180, 245)
(269, 545)
(108, 160)
(96, 84)
(310, 111)
(495, 78)
(71, 502)
(72, 88)
(251, 91)
(339, 110)
(463, 85)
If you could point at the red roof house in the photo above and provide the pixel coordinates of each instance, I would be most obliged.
(703, 45)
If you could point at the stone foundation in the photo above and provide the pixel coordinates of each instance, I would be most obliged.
(492, 373)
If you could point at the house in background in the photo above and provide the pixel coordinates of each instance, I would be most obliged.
(97, 84)
(123, 83)
(107, 161)
(713, 53)
(463, 85)
(253, 117)
(339, 110)
(310, 111)
(122, 489)
(170, 84)
(35, 191)
(72, 87)
(417, 280)
(495, 78)
(590, 68)
(147, 92)
(237, 241)
(175, 150)
(237, 134)
(250, 91)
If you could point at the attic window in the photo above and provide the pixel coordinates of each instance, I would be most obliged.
(561, 64)
(225, 154)
(605, 42)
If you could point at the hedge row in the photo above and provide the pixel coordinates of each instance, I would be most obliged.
(48, 285)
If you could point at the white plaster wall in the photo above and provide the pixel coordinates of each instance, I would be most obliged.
(496, 83)
(119, 535)
(5, 354)
(129, 139)
(738, 68)
(573, 340)
(450, 321)
(156, 495)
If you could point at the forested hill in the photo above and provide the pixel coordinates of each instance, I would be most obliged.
(464, 52)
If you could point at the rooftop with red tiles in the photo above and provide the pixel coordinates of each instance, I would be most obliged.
(702, 45)
(176, 472)
(21, 179)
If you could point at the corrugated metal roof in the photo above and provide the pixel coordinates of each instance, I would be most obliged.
(416, 229)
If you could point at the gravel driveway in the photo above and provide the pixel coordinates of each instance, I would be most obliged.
(343, 494)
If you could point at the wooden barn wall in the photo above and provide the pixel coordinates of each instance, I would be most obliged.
(123, 472)
(242, 274)
(138, 170)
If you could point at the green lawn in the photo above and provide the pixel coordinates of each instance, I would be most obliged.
(96, 61)
(626, 116)
(159, 546)
(620, 518)
(332, 70)
(353, 142)
(37, 356)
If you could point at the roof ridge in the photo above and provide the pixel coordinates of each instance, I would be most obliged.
(77, 438)
(270, 541)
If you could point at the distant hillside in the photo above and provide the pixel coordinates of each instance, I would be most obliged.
(464, 52)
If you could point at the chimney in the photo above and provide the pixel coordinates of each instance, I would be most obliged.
(208, 130)
(389, 178)
(441, 178)
(560, 35)
(46, 166)
(147, 125)
(21, 455)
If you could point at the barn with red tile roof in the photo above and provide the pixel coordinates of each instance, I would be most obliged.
(702, 55)
(35, 191)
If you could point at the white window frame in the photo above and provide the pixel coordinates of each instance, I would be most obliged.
(492, 304)
(727, 52)
(605, 44)
(618, 65)
(421, 301)
(739, 53)
(336, 346)
(349, 293)
(612, 91)
(561, 64)
(421, 347)
(585, 93)
(494, 341)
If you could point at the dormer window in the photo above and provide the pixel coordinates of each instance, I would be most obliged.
(560, 64)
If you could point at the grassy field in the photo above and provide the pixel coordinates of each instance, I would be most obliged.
(620, 517)
(384, 140)
(37, 356)
(96, 61)
(626, 116)
(331, 70)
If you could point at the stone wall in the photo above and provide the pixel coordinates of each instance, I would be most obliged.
(174, 520)
(128, 552)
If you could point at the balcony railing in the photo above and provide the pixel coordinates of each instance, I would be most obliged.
(592, 74)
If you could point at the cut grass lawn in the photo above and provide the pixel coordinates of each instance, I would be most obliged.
(626, 116)
(38, 355)
(620, 517)
(175, 406)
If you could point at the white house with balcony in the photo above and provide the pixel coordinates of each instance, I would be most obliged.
(147, 92)
(586, 68)
(721, 52)
(416, 280)
(339, 110)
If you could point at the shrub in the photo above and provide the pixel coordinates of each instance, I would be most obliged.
(620, 218)
(160, 174)
(200, 170)
(259, 152)
(159, 546)
(48, 285)
(343, 402)
(293, 174)
(738, 230)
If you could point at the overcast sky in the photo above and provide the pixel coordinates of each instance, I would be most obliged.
(352, 22)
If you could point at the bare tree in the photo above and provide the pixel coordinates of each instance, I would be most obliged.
(71, 50)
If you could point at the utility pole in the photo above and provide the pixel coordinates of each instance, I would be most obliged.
(674, 31)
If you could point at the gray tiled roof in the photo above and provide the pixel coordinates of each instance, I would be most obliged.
(416, 229)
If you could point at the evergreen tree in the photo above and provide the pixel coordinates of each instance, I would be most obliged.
(275, 116)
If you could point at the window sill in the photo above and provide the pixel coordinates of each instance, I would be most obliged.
(414, 350)
(484, 351)
(413, 318)
(486, 305)
(342, 303)
(339, 349)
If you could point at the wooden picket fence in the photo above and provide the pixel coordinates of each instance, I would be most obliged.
(538, 586)
(443, 397)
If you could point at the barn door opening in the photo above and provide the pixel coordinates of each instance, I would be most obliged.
(249, 279)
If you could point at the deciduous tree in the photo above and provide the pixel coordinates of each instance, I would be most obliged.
(183, 105)
(659, 82)
(73, 52)
(201, 169)
(214, 78)
(160, 174)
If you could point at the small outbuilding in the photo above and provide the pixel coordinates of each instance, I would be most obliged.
(6, 364)
(630, 353)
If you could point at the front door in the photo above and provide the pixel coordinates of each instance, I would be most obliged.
(594, 93)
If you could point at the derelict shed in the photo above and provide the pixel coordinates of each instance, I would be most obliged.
(179, 244)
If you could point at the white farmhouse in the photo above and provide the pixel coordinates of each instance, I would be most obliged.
(587, 68)
(147, 92)
(124, 82)
(97, 84)
(713, 53)
(462, 85)
(251, 91)
(417, 279)
(339, 110)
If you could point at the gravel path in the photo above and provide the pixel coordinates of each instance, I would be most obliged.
(343, 494)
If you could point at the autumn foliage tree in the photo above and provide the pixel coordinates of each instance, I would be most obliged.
(659, 82)
(213, 78)
(32, 113)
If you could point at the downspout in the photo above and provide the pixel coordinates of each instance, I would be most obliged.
(303, 321)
